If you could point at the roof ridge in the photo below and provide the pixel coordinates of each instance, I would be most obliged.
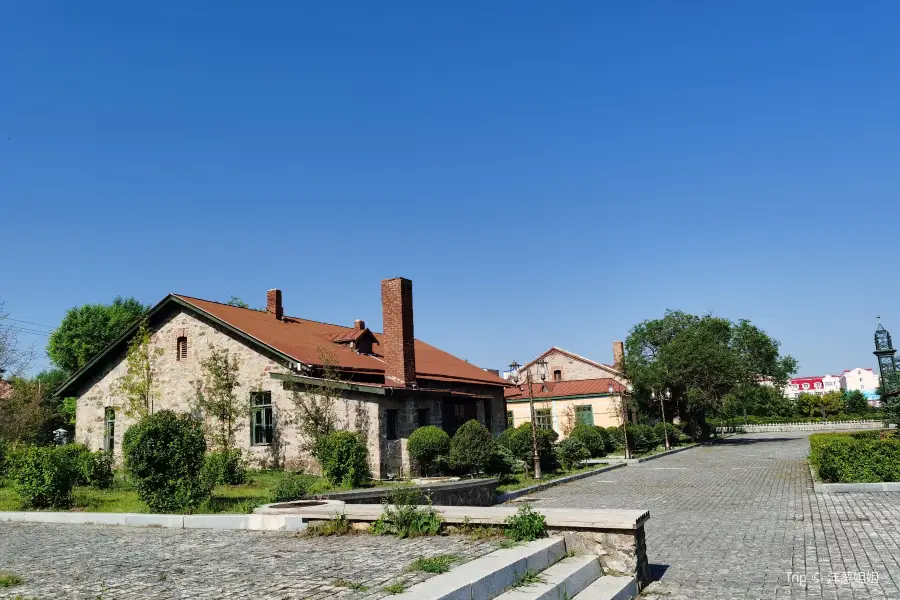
(285, 316)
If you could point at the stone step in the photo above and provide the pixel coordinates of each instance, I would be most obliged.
(489, 576)
(562, 581)
(610, 587)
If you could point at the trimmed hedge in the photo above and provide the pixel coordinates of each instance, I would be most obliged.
(426, 444)
(570, 452)
(859, 457)
(472, 448)
(44, 476)
(344, 457)
(595, 439)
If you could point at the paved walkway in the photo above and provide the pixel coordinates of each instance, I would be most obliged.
(739, 519)
(94, 562)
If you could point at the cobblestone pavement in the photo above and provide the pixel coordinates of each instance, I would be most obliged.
(93, 562)
(739, 519)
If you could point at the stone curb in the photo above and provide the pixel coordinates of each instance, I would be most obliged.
(253, 522)
(636, 461)
(846, 488)
(506, 497)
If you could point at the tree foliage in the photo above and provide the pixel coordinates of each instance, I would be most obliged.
(812, 405)
(217, 399)
(700, 360)
(137, 387)
(315, 407)
(86, 330)
(13, 358)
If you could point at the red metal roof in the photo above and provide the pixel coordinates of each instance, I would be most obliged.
(558, 389)
(302, 339)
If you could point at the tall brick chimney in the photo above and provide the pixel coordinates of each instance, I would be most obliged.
(359, 324)
(618, 355)
(273, 303)
(399, 341)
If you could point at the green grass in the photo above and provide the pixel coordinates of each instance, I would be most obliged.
(8, 579)
(434, 564)
(517, 481)
(352, 585)
(529, 578)
(398, 587)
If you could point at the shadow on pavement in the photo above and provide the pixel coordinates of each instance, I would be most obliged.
(745, 441)
(657, 571)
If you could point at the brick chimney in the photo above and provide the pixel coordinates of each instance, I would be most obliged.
(618, 355)
(359, 324)
(273, 303)
(398, 340)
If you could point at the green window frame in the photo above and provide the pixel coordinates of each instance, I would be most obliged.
(584, 414)
(109, 429)
(509, 419)
(262, 425)
(543, 418)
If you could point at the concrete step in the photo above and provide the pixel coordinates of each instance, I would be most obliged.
(610, 587)
(489, 576)
(562, 581)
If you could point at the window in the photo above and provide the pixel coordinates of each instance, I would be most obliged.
(109, 431)
(509, 419)
(584, 414)
(391, 423)
(542, 418)
(817, 385)
(423, 417)
(261, 424)
(805, 386)
(557, 375)
(181, 348)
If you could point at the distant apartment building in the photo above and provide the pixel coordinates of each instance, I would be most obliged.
(863, 380)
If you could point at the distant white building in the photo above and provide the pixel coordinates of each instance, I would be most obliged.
(863, 380)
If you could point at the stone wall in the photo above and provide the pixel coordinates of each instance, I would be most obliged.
(474, 492)
(619, 551)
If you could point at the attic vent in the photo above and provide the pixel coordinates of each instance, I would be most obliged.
(181, 348)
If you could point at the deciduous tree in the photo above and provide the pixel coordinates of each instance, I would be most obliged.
(137, 387)
(217, 399)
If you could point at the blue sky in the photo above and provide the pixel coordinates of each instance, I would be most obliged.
(545, 173)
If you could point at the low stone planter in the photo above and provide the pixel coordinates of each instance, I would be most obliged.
(464, 492)
(616, 537)
(512, 495)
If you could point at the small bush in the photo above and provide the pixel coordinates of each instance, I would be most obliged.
(505, 438)
(593, 438)
(291, 486)
(226, 467)
(44, 477)
(570, 452)
(401, 516)
(164, 454)
(615, 439)
(521, 445)
(398, 587)
(502, 461)
(98, 469)
(526, 525)
(855, 458)
(642, 438)
(345, 459)
(80, 457)
(472, 448)
(662, 430)
(426, 444)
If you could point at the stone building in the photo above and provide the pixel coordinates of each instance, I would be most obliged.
(390, 383)
(576, 390)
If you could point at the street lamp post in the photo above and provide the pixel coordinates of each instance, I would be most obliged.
(542, 373)
(662, 411)
(623, 395)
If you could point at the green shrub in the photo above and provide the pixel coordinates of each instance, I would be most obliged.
(80, 457)
(344, 458)
(615, 439)
(426, 444)
(291, 486)
(502, 461)
(339, 525)
(526, 525)
(662, 429)
(44, 477)
(433, 564)
(164, 454)
(593, 438)
(226, 467)
(98, 469)
(570, 452)
(505, 438)
(402, 517)
(855, 458)
(521, 445)
(472, 448)
(642, 438)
